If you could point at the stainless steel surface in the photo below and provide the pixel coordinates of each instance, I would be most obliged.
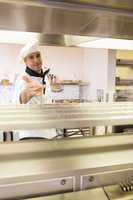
(128, 4)
(57, 20)
(29, 166)
(105, 178)
(64, 116)
(36, 168)
(115, 193)
(95, 194)
(38, 187)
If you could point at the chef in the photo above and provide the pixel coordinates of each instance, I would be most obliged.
(33, 87)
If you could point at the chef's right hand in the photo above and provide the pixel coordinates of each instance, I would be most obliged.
(33, 89)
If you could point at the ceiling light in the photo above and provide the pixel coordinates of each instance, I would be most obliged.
(16, 37)
(109, 43)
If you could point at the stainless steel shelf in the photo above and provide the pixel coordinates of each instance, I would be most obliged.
(65, 116)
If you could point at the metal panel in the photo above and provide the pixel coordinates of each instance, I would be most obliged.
(39, 187)
(105, 178)
(128, 4)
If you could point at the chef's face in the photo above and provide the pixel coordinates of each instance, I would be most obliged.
(34, 61)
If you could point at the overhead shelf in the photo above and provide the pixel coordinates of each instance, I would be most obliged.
(124, 63)
(124, 82)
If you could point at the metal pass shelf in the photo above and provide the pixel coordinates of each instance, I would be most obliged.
(23, 117)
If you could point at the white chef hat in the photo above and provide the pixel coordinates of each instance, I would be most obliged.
(31, 47)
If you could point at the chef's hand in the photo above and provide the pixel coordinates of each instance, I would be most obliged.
(31, 90)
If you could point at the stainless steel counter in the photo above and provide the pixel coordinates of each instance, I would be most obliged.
(108, 193)
(51, 167)
(94, 194)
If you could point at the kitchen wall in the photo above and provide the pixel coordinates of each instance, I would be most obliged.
(64, 62)
(99, 70)
(95, 63)
(88, 65)
(9, 62)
